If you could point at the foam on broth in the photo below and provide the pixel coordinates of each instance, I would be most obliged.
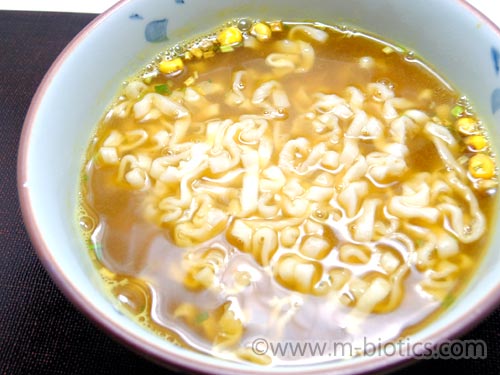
(150, 272)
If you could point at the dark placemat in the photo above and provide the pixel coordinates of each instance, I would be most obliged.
(40, 331)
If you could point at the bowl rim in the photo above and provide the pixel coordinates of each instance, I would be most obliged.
(185, 361)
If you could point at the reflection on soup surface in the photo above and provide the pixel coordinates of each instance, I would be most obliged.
(286, 181)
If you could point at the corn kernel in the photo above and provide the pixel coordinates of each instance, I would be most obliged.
(208, 54)
(261, 31)
(481, 166)
(189, 81)
(170, 66)
(276, 26)
(467, 125)
(476, 142)
(198, 53)
(231, 35)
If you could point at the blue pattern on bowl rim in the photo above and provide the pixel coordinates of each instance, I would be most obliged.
(495, 100)
(495, 56)
(136, 16)
(495, 95)
(156, 30)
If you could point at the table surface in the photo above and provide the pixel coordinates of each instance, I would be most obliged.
(489, 7)
(40, 331)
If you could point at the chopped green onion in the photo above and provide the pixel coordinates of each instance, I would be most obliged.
(401, 48)
(85, 178)
(201, 317)
(163, 89)
(96, 248)
(225, 49)
(457, 111)
(448, 300)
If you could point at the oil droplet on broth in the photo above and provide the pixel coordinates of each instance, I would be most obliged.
(87, 224)
(132, 296)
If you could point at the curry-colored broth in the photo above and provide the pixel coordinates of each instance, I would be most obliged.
(142, 267)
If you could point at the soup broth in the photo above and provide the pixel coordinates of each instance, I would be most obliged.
(286, 182)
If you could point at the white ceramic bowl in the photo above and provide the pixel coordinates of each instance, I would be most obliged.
(452, 36)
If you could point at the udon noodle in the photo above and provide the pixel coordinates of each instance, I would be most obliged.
(286, 181)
